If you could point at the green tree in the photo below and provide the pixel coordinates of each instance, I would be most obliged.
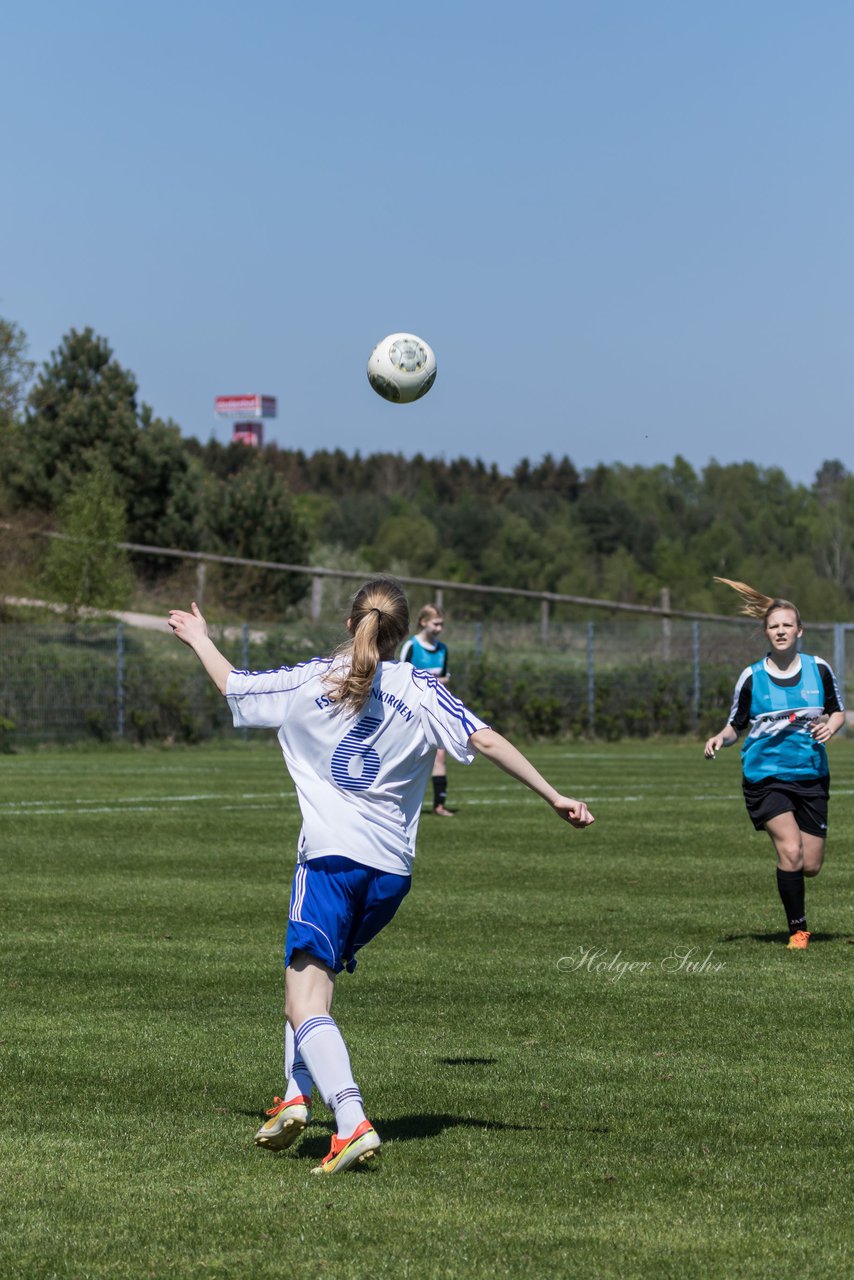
(15, 372)
(84, 567)
(832, 526)
(83, 400)
(15, 369)
(404, 542)
(467, 528)
(251, 515)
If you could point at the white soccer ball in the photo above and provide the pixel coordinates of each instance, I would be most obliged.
(402, 368)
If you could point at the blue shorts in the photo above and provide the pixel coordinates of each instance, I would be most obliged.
(338, 905)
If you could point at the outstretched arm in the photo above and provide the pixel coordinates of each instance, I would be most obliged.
(501, 752)
(192, 629)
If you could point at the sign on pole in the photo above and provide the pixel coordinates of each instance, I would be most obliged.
(245, 406)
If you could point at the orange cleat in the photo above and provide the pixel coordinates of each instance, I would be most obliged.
(799, 941)
(286, 1123)
(362, 1145)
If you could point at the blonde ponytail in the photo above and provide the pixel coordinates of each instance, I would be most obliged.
(379, 621)
(756, 605)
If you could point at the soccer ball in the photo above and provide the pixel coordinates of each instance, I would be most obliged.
(402, 368)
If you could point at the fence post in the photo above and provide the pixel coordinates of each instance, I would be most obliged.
(666, 625)
(839, 629)
(544, 621)
(839, 655)
(440, 598)
(591, 681)
(316, 598)
(201, 578)
(697, 687)
(120, 679)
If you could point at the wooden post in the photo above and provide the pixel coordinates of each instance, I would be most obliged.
(666, 625)
(839, 629)
(201, 577)
(316, 598)
(544, 621)
(591, 680)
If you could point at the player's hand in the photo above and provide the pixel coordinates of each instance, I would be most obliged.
(713, 746)
(575, 812)
(189, 627)
(821, 731)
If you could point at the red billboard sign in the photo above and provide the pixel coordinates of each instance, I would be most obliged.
(251, 433)
(245, 406)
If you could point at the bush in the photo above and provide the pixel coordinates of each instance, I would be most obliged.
(66, 682)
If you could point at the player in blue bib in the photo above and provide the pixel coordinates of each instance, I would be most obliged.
(358, 731)
(428, 652)
(790, 704)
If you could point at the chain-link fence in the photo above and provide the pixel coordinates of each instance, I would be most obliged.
(604, 677)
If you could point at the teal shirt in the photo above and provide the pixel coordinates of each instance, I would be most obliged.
(433, 660)
(779, 744)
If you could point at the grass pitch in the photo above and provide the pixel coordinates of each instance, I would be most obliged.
(588, 1054)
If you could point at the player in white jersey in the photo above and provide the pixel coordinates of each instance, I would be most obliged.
(358, 731)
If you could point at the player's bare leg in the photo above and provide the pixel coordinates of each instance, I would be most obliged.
(289, 1116)
(309, 988)
(813, 853)
(798, 854)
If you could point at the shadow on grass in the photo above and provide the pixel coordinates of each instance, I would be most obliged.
(415, 1128)
(467, 1062)
(778, 938)
(408, 1129)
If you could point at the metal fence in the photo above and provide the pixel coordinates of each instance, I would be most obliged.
(602, 677)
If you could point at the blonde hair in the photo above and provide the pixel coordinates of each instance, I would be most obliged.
(428, 612)
(756, 605)
(379, 621)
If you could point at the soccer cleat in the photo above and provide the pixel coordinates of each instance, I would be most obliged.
(362, 1145)
(286, 1123)
(799, 941)
(441, 812)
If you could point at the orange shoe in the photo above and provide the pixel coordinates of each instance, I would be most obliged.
(362, 1145)
(286, 1123)
(799, 941)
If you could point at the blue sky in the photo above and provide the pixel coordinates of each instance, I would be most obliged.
(625, 228)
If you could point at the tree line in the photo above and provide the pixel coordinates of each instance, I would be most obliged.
(80, 451)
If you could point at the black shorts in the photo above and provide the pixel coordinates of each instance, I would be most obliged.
(806, 798)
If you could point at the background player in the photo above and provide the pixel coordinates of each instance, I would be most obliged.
(428, 651)
(791, 702)
(358, 731)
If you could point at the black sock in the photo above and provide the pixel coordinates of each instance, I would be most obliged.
(791, 887)
(440, 789)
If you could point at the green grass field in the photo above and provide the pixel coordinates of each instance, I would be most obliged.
(547, 1110)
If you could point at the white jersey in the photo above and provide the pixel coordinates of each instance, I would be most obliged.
(359, 778)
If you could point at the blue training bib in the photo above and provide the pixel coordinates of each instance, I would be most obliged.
(779, 744)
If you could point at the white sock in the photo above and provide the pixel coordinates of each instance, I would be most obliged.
(297, 1075)
(321, 1046)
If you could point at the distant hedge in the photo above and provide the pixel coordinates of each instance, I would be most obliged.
(61, 682)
